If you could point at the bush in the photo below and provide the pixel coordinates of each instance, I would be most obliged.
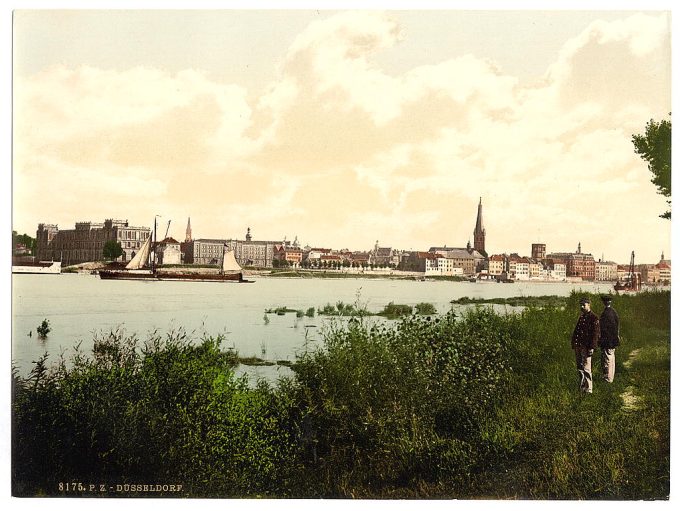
(43, 329)
(389, 405)
(425, 309)
(168, 411)
(392, 310)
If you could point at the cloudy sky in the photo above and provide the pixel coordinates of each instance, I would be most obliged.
(345, 127)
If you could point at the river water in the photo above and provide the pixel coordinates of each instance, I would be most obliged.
(78, 305)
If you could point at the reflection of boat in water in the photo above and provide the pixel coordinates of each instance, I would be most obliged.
(633, 280)
(41, 267)
(230, 271)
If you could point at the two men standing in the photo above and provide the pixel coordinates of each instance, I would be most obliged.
(590, 332)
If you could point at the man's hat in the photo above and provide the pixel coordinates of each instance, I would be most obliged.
(606, 298)
(583, 300)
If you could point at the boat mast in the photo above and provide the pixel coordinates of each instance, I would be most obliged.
(153, 259)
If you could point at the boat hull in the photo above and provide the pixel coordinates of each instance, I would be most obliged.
(41, 268)
(184, 277)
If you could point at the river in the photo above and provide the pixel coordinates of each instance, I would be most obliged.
(78, 305)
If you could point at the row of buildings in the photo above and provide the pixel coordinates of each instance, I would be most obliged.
(86, 243)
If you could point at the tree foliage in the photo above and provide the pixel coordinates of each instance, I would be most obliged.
(23, 239)
(655, 148)
(112, 250)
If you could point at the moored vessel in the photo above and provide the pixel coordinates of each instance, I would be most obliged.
(137, 269)
(40, 267)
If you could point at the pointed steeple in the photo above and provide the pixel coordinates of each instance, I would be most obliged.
(187, 237)
(480, 232)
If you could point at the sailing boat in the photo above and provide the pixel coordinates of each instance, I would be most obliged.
(135, 268)
(230, 270)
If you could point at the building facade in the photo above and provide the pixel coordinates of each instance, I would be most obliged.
(469, 259)
(384, 256)
(606, 271)
(538, 251)
(204, 251)
(555, 270)
(438, 265)
(650, 274)
(496, 264)
(291, 255)
(168, 252)
(579, 264)
(86, 242)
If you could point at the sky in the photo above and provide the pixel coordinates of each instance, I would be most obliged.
(343, 128)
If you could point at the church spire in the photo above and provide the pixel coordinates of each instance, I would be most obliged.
(480, 232)
(187, 237)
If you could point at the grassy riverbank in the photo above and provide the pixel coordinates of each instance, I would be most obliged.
(481, 405)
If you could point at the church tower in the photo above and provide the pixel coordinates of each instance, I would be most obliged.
(480, 232)
(187, 237)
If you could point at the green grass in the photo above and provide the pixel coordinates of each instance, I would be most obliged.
(560, 444)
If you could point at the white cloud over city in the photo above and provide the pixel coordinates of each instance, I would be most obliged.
(342, 151)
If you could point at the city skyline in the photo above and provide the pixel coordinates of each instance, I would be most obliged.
(343, 127)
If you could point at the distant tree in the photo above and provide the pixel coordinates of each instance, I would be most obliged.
(655, 148)
(23, 239)
(112, 250)
(280, 263)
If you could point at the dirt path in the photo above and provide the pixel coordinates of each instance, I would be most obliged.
(631, 401)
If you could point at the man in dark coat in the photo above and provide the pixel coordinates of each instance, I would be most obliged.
(609, 338)
(584, 340)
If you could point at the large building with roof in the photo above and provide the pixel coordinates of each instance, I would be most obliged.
(85, 243)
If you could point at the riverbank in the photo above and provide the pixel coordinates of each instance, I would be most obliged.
(473, 405)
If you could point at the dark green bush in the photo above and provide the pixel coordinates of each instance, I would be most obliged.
(425, 309)
(393, 310)
(395, 404)
(168, 411)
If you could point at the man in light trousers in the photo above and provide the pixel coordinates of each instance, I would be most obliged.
(609, 339)
(584, 340)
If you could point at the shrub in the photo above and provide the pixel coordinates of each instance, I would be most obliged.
(392, 310)
(169, 411)
(43, 329)
(425, 309)
(391, 404)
